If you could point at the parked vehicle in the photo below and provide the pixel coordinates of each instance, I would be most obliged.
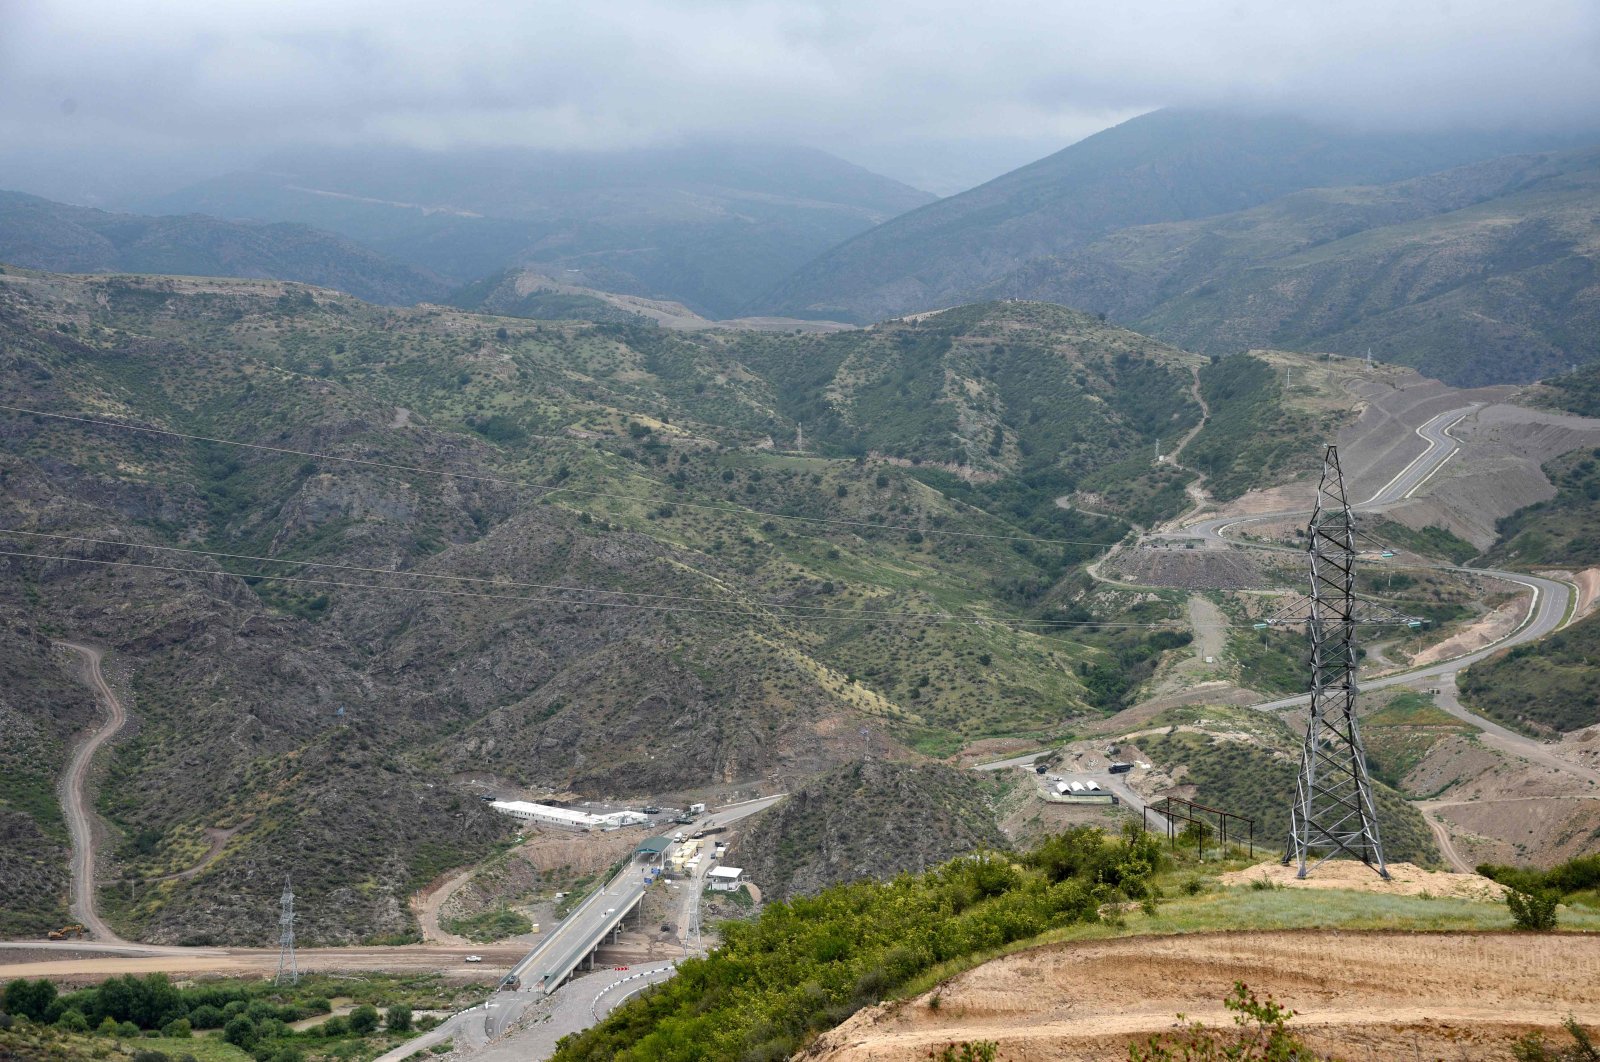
(1120, 768)
(474, 958)
(697, 809)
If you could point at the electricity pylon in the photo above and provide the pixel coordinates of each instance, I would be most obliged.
(1333, 808)
(287, 968)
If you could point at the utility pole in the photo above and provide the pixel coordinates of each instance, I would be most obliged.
(1158, 449)
(287, 968)
(1369, 359)
(1333, 809)
(799, 437)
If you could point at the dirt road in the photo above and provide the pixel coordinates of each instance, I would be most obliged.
(1367, 995)
(1441, 835)
(79, 818)
(426, 907)
(95, 961)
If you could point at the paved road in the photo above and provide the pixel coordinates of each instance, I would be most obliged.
(1024, 760)
(1440, 447)
(1549, 607)
(79, 818)
(1551, 599)
(1509, 741)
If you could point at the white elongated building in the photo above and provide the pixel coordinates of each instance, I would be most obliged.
(566, 818)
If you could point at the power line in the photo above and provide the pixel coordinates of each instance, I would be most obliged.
(549, 490)
(478, 580)
(931, 618)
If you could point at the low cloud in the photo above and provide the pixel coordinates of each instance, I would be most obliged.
(876, 81)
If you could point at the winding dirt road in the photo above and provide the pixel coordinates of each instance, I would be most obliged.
(79, 818)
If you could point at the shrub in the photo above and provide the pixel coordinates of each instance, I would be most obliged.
(128, 1030)
(73, 1021)
(108, 1027)
(398, 1019)
(146, 1055)
(966, 1051)
(29, 999)
(1534, 910)
(1532, 1047)
(364, 1019)
(1260, 1033)
(207, 1017)
(240, 1032)
(177, 1029)
(335, 1026)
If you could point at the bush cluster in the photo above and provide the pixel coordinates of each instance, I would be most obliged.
(808, 964)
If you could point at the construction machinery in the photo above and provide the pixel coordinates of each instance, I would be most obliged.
(76, 929)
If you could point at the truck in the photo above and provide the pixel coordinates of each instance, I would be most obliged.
(1120, 768)
(697, 809)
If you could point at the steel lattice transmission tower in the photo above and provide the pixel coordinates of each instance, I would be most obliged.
(288, 970)
(1333, 807)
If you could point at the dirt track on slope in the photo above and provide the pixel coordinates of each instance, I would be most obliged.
(79, 819)
(1362, 996)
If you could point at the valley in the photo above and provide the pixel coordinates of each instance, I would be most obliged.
(867, 551)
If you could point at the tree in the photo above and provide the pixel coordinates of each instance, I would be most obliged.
(399, 1018)
(73, 1021)
(364, 1019)
(177, 1029)
(240, 1032)
(207, 1017)
(29, 999)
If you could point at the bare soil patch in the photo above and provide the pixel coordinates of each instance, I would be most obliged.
(1481, 632)
(1368, 995)
(1405, 879)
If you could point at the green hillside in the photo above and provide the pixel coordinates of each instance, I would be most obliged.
(1547, 687)
(1559, 531)
(1247, 779)
(1574, 392)
(562, 554)
(1252, 434)
(866, 820)
(1480, 275)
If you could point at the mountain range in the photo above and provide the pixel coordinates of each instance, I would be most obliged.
(708, 225)
(37, 233)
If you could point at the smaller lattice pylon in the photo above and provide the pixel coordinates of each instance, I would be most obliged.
(288, 970)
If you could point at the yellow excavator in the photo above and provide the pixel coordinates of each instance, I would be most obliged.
(67, 932)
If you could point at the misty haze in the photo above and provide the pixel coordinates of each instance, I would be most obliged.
(727, 530)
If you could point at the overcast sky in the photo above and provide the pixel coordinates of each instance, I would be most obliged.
(940, 93)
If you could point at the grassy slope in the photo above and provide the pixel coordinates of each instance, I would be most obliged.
(1400, 735)
(1251, 779)
(867, 819)
(1560, 531)
(1546, 687)
(1575, 392)
(1254, 434)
